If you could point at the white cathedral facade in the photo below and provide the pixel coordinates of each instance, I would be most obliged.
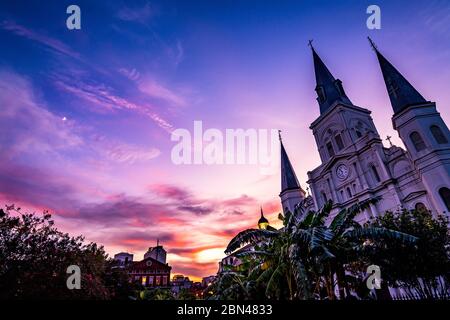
(355, 164)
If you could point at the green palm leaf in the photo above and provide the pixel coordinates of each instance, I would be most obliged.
(373, 233)
(252, 236)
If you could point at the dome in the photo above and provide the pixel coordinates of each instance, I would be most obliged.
(262, 222)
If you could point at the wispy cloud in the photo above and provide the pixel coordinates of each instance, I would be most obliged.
(436, 17)
(158, 91)
(47, 41)
(140, 14)
(132, 74)
(25, 125)
(101, 96)
(123, 152)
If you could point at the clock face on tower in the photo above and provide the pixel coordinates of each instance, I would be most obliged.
(342, 171)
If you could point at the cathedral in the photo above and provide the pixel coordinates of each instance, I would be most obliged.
(354, 163)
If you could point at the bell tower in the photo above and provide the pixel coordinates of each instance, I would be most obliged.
(422, 130)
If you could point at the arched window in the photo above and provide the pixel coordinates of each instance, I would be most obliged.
(339, 142)
(342, 195)
(349, 192)
(324, 197)
(445, 195)
(420, 207)
(417, 141)
(376, 176)
(330, 148)
(438, 134)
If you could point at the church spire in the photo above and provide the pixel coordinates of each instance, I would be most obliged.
(401, 93)
(329, 90)
(288, 178)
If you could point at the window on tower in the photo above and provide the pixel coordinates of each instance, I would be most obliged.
(330, 148)
(417, 141)
(349, 192)
(445, 195)
(339, 142)
(438, 135)
(376, 176)
(324, 197)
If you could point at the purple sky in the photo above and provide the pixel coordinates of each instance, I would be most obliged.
(86, 116)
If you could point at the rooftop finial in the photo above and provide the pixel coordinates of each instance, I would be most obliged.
(279, 135)
(262, 215)
(374, 47)
(310, 41)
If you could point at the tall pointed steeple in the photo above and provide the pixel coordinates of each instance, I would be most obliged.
(401, 93)
(329, 90)
(288, 177)
(291, 192)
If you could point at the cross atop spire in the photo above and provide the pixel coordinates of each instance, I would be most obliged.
(329, 90)
(388, 138)
(310, 44)
(401, 93)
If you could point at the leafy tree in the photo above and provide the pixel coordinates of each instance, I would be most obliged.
(186, 294)
(302, 259)
(428, 260)
(34, 257)
(156, 294)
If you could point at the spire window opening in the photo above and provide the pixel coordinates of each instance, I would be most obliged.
(339, 87)
(438, 135)
(321, 94)
(417, 141)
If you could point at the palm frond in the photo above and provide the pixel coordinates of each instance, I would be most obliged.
(373, 233)
(275, 279)
(320, 216)
(251, 236)
(300, 273)
(253, 254)
(344, 219)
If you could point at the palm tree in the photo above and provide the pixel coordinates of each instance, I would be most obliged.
(308, 253)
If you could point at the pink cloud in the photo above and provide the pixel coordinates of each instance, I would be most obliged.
(101, 96)
(158, 91)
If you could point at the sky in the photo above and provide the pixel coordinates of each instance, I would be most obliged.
(86, 115)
